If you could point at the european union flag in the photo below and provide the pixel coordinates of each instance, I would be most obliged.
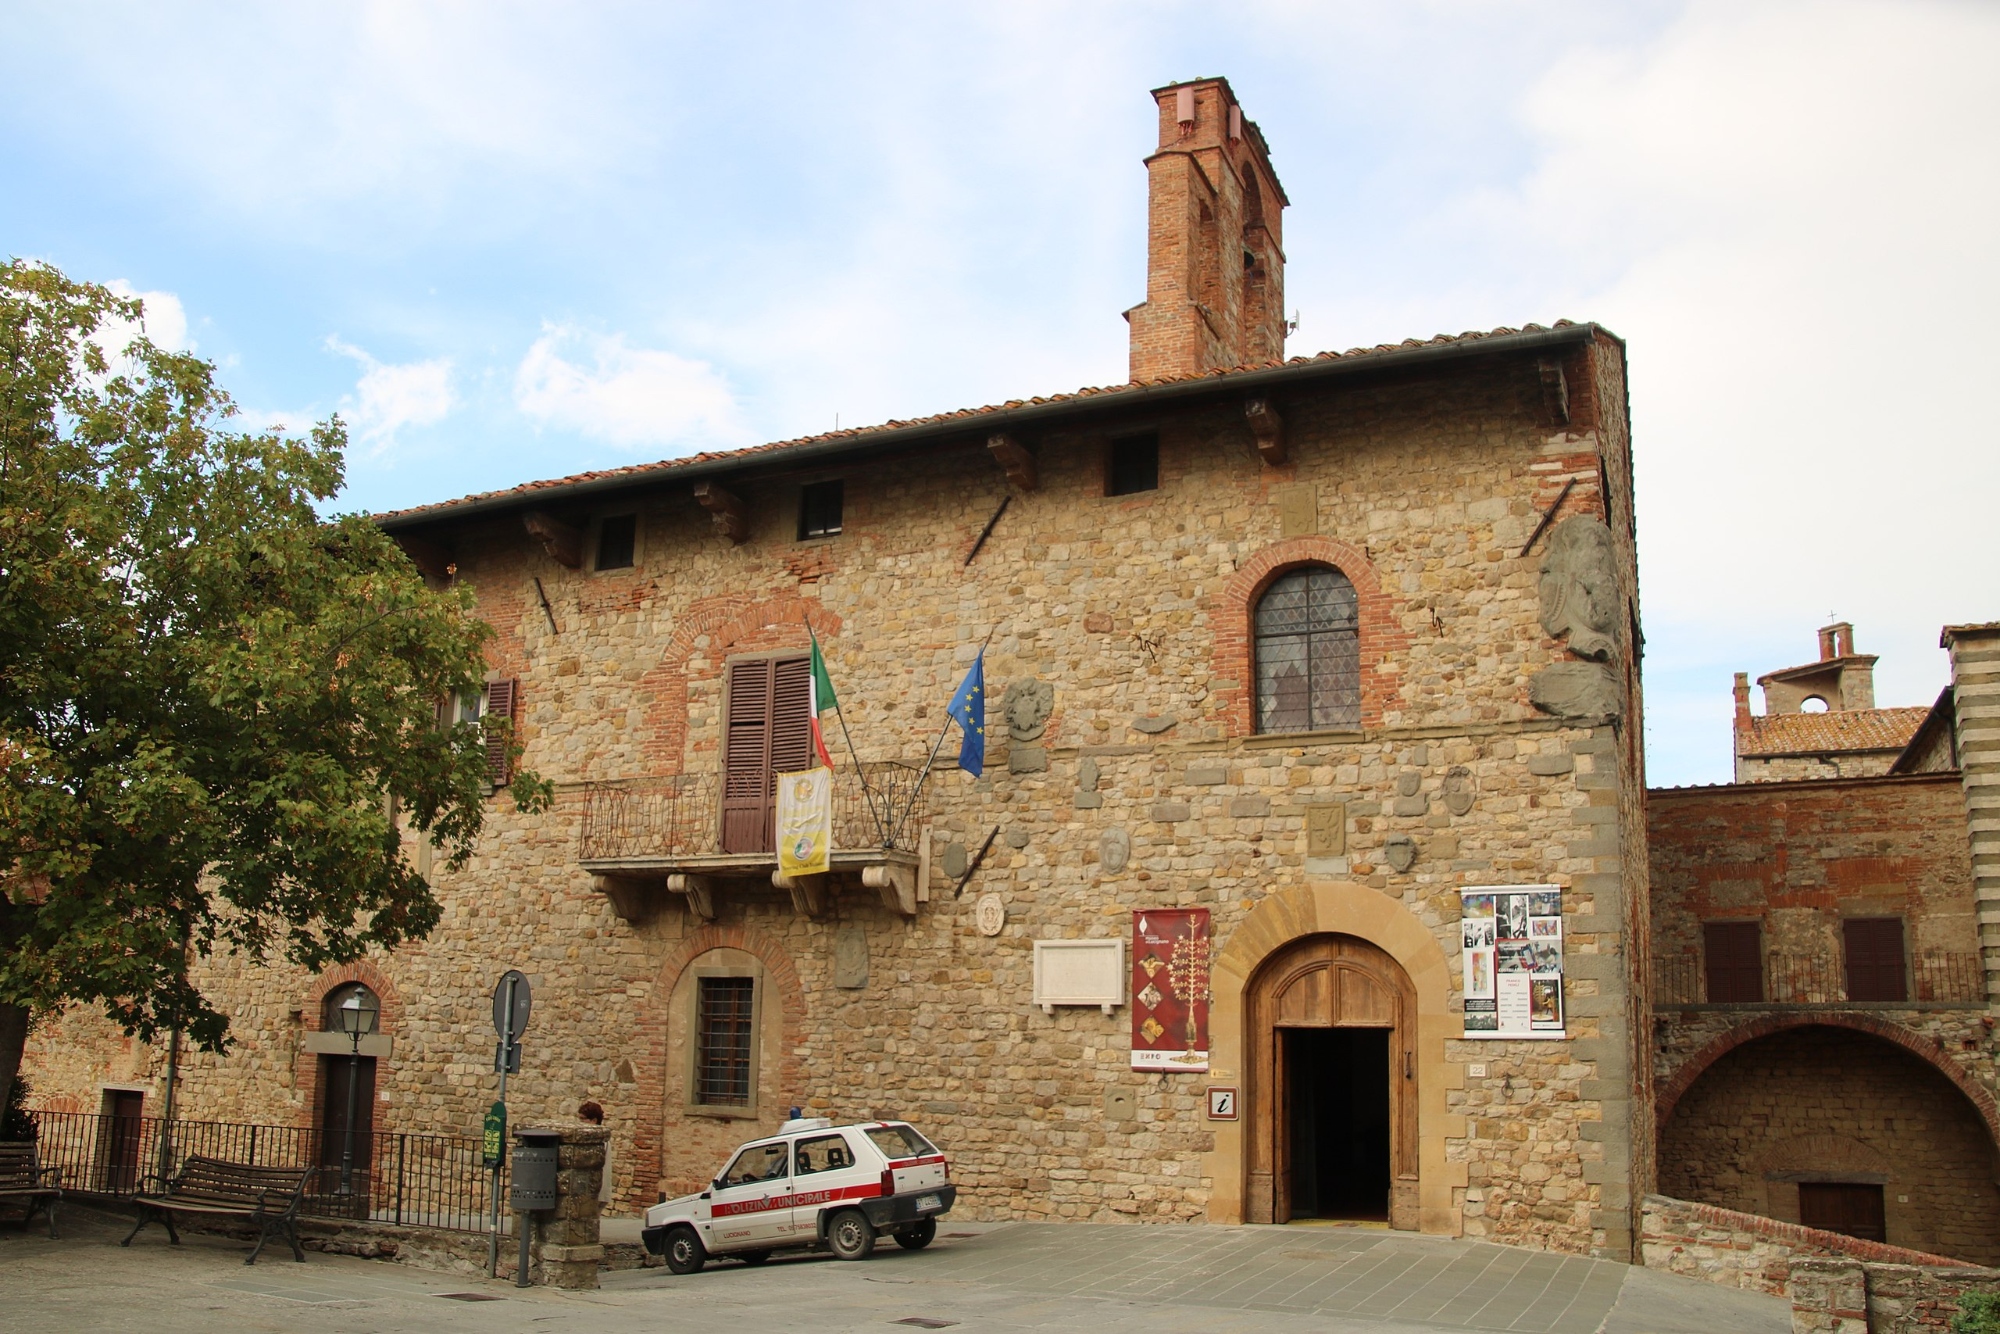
(968, 710)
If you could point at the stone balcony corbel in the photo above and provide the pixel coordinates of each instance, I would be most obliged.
(631, 898)
(700, 892)
(808, 892)
(897, 883)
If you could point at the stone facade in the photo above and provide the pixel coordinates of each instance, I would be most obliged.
(1848, 1296)
(1423, 484)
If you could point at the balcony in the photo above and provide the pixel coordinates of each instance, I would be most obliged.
(1937, 980)
(644, 838)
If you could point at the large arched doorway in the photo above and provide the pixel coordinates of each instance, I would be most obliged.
(1832, 1127)
(1330, 1031)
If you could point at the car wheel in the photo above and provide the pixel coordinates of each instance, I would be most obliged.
(918, 1234)
(754, 1258)
(685, 1254)
(849, 1237)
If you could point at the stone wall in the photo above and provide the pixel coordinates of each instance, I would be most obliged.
(1829, 1104)
(1739, 1250)
(1845, 1296)
(1423, 488)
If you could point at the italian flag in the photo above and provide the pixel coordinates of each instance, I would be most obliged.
(822, 698)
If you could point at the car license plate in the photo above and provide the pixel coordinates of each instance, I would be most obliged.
(928, 1202)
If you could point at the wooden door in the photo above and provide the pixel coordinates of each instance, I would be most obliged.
(123, 1130)
(1327, 981)
(1849, 1208)
(336, 1073)
(768, 733)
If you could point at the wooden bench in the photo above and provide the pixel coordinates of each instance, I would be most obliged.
(267, 1196)
(22, 1177)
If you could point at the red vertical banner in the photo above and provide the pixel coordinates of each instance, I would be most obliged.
(1170, 992)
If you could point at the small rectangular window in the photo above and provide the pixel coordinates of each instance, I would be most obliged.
(819, 509)
(1735, 961)
(617, 536)
(723, 1017)
(1134, 465)
(1875, 959)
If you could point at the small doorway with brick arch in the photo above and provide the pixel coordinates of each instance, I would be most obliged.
(1331, 1097)
(346, 1149)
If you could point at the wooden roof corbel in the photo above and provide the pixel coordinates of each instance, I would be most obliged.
(1555, 390)
(1269, 428)
(1014, 458)
(562, 541)
(725, 511)
(431, 558)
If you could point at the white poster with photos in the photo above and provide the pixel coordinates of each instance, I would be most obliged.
(1512, 938)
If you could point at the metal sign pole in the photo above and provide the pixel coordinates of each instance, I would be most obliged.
(506, 1040)
(511, 999)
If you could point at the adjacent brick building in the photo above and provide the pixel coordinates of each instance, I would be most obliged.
(1824, 1013)
(1311, 644)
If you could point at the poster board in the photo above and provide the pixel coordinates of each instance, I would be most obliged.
(1511, 938)
(805, 822)
(1170, 989)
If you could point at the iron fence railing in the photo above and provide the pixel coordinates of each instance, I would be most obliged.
(436, 1181)
(1936, 977)
(681, 815)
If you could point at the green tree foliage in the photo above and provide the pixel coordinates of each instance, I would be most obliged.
(1978, 1313)
(216, 706)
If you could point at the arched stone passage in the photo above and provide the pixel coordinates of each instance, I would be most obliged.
(1811, 1107)
(1670, 1090)
(1331, 908)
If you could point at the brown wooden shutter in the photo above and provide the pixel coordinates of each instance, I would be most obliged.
(1735, 961)
(1875, 959)
(791, 722)
(500, 698)
(746, 751)
(769, 733)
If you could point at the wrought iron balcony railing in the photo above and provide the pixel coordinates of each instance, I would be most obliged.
(1936, 977)
(875, 806)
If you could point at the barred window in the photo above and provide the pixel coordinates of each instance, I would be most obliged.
(724, 1015)
(1308, 646)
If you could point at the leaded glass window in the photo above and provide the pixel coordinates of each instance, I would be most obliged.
(1308, 646)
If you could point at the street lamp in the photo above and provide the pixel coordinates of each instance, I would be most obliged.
(356, 1015)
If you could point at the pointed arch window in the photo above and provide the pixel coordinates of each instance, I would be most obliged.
(1308, 645)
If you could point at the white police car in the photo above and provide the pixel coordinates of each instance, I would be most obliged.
(812, 1185)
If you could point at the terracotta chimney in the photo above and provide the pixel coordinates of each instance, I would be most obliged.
(1215, 265)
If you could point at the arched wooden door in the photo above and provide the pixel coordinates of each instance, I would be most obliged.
(1334, 1015)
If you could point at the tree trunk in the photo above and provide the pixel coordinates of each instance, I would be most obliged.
(13, 1040)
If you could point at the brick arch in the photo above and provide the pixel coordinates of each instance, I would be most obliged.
(1231, 608)
(649, 1130)
(1669, 1094)
(364, 972)
(730, 622)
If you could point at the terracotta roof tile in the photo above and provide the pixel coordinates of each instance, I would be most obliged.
(1834, 730)
(667, 467)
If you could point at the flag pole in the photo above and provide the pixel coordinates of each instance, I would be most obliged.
(867, 793)
(943, 732)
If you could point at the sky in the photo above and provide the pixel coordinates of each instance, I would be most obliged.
(510, 241)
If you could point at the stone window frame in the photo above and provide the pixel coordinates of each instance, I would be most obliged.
(1256, 684)
(691, 1075)
(594, 535)
(1232, 611)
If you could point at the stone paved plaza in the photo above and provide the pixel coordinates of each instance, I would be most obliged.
(1106, 1278)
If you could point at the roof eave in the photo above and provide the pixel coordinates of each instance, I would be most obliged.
(1123, 398)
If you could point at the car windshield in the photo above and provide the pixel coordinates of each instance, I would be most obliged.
(897, 1141)
(759, 1162)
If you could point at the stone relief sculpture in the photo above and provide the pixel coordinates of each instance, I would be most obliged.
(1582, 604)
(1579, 588)
(1026, 706)
(1114, 851)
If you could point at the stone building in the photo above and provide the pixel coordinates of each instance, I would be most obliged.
(1826, 972)
(1820, 719)
(1315, 645)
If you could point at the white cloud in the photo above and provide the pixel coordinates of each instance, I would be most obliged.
(625, 395)
(164, 321)
(389, 397)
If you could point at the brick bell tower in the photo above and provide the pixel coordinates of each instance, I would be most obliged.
(1215, 263)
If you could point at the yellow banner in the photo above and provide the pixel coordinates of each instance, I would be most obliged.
(805, 822)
